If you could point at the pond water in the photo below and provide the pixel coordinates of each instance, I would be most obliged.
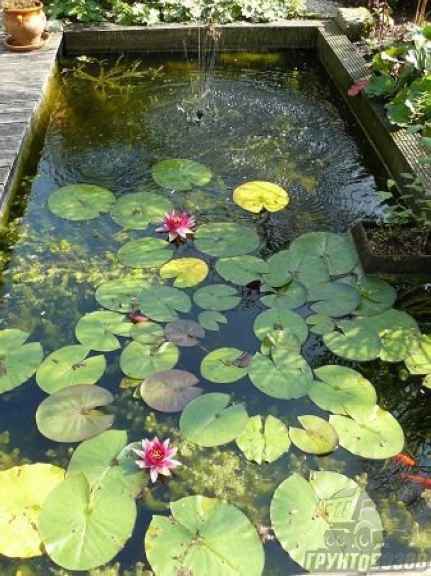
(265, 117)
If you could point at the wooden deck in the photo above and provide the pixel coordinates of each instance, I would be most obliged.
(23, 83)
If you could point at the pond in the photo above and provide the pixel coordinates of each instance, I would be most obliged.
(287, 380)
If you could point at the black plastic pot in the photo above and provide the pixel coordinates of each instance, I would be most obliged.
(419, 264)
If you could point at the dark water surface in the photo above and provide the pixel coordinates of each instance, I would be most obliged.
(267, 117)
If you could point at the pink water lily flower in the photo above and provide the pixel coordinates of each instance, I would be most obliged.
(358, 87)
(178, 225)
(158, 457)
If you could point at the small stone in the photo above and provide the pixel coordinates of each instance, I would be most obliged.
(354, 22)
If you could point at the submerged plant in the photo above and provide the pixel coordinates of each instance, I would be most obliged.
(178, 225)
(158, 457)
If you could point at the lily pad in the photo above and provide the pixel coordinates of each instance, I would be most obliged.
(18, 360)
(280, 339)
(284, 375)
(69, 366)
(316, 436)
(305, 517)
(258, 195)
(142, 360)
(217, 297)
(163, 303)
(291, 296)
(184, 333)
(241, 270)
(376, 296)
(186, 271)
(180, 174)
(375, 434)
(226, 239)
(337, 251)
(210, 320)
(211, 420)
(335, 299)
(397, 332)
(138, 210)
(145, 253)
(149, 333)
(83, 529)
(204, 536)
(24, 489)
(320, 324)
(418, 361)
(170, 391)
(99, 330)
(342, 390)
(80, 202)
(353, 340)
(280, 319)
(70, 415)
(264, 441)
(278, 270)
(120, 295)
(102, 461)
(223, 366)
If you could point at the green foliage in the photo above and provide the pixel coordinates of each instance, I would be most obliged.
(153, 12)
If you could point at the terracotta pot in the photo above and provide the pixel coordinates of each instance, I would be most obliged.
(25, 26)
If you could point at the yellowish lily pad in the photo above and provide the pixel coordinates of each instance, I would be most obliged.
(258, 195)
(186, 271)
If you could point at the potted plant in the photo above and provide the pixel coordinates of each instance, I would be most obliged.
(24, 22)
(400, 243)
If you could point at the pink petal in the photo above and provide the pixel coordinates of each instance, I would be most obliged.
(153, 475)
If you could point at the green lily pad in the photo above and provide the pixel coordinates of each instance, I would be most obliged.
(316, 436)
(418, 361)
(353, 340)
(264, 441)
(180, 174)
(226, 239)
(217, 297)
(70, 414)
(142, 360)
(186, 271)
(305, 517)
(376, 296)
(210, 320)
(397, 332)
(210, 420)
(342, 390)
(18, 360)
(184, 333)
(426, 382)
(101, 460)
(335, 299)
(375, 434)
(83, 529)
(278, 270)
(24, 489)
(99, 330)
(149, 333)
(162, 303)
(280, 339)
(120, 295)
(292, 296)
(257, 196)
(320, 324)
(80, 202)
(280, 319)
(241, 270)
(138, 210)
(284, 375)
(69, 366)
(170, 391)
(145, 253)
(204, 536)
(337, 251)
(223, 366)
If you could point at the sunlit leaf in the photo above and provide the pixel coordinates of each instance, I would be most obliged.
(316, 436)
(264, 441)
(258, 195)
(223, 366)
(186, 271)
